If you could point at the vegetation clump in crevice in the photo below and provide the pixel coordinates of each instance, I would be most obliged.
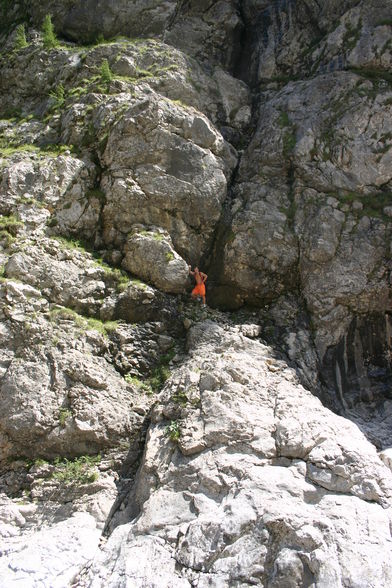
(72, 472)
(157, 378)
(58, 97)
(173, 431)
(58, 313)
(352, 35)
(372, 204)
(289, 135)
(119, 277)
(64, 415)
(9, 228)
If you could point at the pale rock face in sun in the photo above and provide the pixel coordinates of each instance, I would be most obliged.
(147, 439)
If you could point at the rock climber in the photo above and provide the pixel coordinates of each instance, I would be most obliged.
(199, 289)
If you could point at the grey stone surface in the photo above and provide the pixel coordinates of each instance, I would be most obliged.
(253, 139)
(149, 254)
(262, 483)
(166, 166)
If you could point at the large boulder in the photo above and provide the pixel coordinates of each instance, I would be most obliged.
(149, 254)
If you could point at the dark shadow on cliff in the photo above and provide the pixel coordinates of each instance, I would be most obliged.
(358, 376)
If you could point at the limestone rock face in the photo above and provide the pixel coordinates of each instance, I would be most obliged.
(247, 477)
(150, 255)
(166, 166)
(86, 21)
(60, 396)
(47, 181)
(319, 224)
(305, 39)
(250, 138)
(58, 551)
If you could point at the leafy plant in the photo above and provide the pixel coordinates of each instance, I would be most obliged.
(48, 35)
(20, 37)
(77, 471)
(64, 414)
(10, 224)
(173, 431)
(58, 96)
(139, 384)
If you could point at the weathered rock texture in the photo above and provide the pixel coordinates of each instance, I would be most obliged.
(250, 490)
(252, 138)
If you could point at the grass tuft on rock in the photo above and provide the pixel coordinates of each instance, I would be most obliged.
(78, 471)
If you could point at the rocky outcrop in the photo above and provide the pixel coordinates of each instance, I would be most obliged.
(57, 398)
(166, 166)
(310, 207)
(149, 254)
(240, 483)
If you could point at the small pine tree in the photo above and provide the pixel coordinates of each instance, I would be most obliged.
(106, 73)
(48, 34)
(20, 37)
(58, 96)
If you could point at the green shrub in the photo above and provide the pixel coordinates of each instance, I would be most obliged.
(64, 414)
(106, 72)
(159, 375)
(48, 35)
(283, 120)
(173, 431)
(78, 471)
(289, 142)
(139, 384)
(58, 96)
(10, 224)
(20, 37)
